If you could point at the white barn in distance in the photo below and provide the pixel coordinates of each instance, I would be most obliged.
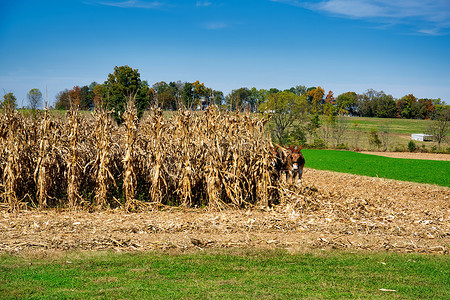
(422, 137)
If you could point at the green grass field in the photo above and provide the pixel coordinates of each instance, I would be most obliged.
(415, 170)
(236, 274)
(400, 126)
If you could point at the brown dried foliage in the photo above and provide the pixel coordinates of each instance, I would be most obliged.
(211, 159)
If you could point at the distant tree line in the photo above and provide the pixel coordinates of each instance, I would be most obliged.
(125, 84)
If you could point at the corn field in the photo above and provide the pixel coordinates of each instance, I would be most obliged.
(213, 159)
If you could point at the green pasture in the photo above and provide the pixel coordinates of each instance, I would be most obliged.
(414, 170)
(226, 274)
(399, 126)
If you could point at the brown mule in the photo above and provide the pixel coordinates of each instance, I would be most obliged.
(296, 162)
(287, 160)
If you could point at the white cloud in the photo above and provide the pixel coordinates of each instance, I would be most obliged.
(204, 3)
(431, 14)
(134, 4)
(433, 31)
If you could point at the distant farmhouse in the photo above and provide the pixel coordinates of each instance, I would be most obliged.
(422, 137)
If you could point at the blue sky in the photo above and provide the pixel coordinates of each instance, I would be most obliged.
(400, 47)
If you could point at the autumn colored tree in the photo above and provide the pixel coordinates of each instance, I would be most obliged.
(405, 107)
(330, 98)
(100, 94)
(329, 107)
(82, 97)
(315, 97)
(199, 90)
(427, 108)
(75, 97)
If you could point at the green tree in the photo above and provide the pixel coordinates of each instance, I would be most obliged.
(239, 99)
(440, 127)
(285, 108)
(257, 97)
(298, 90)
(87, 96)
(426, 108)
(406, 107)
(412, 146)
(34, 97)
(217, 98)
(9, 101)
(346, 103)
(385, 106)
(366, 103)
(312, 126)
(166, 95)
(123, 85)
(63, 100)
(374, 139)
(187, 94)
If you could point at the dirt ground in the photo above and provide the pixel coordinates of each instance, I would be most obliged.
(412, 155)
(331, 210)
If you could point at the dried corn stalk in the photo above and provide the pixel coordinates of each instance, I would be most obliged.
(73, 171)
(214, 159)
(129, 176)
(103, 177)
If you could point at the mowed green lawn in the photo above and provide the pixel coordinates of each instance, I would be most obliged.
(414, 170)
(226, 274)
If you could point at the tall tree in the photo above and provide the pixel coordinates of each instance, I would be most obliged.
(166, 95)
(441, 125)
(405, 107)
(366, 103)
(298, 90)
(218, 98)
(9, 101)
(346, 103)
(385, 106)
(63, 100)
(125, 84)
(286, 108)
(87, 96)
(329, 107)
(187, 95)
(75, 97)
(257, 97)
(315, 97)
(34, 97)
(100, 94)
(239, 99)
